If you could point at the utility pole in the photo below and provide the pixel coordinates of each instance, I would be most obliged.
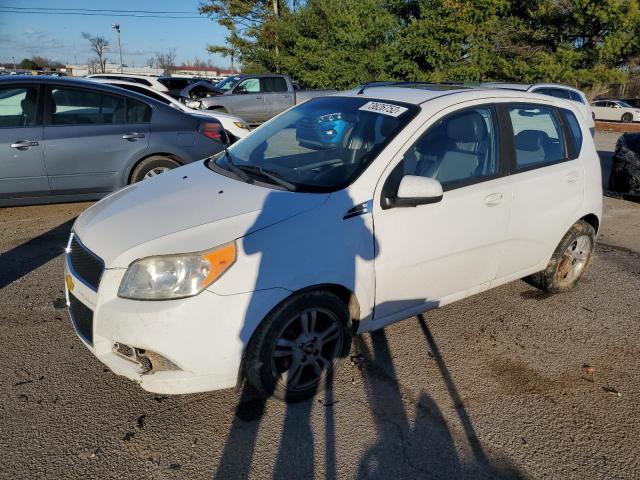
(14, 63)
(116, 26)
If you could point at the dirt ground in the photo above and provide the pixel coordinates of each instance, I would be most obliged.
(511, 383)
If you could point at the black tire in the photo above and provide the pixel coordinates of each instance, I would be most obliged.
(627, 118)
(282, 332)
(151, 164)
(564, 272)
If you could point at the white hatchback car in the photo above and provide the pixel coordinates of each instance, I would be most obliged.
(339, 216)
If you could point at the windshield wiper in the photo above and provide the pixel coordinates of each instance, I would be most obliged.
(268, 174)
(235, 169)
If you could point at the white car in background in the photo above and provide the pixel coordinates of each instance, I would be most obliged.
(146, 80)
(616, 110)
(554, 90)
(341, 215)
(235, 127)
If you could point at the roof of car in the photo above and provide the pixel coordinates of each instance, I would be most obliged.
(527, 86)
(425, 92)
(134, 75)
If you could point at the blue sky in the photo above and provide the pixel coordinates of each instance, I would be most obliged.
(59, 37)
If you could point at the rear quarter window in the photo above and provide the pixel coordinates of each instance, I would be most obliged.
(574, 131)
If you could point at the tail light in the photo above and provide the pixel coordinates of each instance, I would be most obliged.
(213, 130)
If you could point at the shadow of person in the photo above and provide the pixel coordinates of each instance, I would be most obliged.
(422, 450)
(315, 243)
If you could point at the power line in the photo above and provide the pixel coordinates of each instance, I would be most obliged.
(102, 14)
(95, 10)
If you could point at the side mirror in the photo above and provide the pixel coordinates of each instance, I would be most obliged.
(240, 89)
(415, 190)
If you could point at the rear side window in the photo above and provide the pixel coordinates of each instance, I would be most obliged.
(574, 130)
(537, 135)
(274, 84)
(138, 112)
(18, 106)
(87, 107)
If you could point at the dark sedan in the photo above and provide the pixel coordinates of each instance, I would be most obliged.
(71, 139)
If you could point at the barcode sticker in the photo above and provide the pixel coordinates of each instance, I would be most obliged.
(383, 108)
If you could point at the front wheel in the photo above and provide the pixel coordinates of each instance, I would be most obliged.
(570, 260)
(627, 117)
(295, 350)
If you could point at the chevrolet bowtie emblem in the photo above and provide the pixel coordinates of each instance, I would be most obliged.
(69, 281)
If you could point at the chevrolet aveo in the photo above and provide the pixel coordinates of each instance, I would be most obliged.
(339, 216)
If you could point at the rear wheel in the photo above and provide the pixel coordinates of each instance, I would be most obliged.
(295, 350)
(152, 166)
(627, 118)
(570, 260)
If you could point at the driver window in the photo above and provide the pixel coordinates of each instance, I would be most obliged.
(457, 149)
(249, 85)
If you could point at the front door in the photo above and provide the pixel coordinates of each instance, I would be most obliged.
(22, 168)
(90, 136)
(429, 253)
(248, 101)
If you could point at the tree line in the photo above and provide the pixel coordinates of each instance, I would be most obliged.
(342, 43)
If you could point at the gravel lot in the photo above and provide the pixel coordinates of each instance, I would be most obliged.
(490, 387)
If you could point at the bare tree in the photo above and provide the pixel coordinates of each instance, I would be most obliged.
(166, 61)
(100, 46)
(151, 62)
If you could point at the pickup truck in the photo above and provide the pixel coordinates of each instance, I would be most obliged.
(255, 98)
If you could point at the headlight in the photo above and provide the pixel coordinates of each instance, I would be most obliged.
(197, 104)
(243, 125)
(176, 276)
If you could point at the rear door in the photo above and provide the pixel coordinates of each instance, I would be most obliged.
(90, 138)
(277, 97)
(22, 167)
(248, 100)
(547, 183)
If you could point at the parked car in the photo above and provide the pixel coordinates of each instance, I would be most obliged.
(68, 139)
(625, 166)
(431, 195)
(256, 98)
(146, 80)
(615, 110)
(235, 127)
(555, 90)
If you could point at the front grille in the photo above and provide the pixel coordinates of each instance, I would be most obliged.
(86, 265)
(82, 318)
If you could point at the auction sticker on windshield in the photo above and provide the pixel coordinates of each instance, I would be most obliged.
(384, 108)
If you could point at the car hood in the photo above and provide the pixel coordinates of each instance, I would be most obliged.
(186, 91)
(188, 209)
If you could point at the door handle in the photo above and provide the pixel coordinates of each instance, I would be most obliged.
(259, 98)
(132, 136)
(572, 177)
(493, 199)
(24, 144)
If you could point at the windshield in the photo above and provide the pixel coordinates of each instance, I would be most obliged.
(321, 145)
(227, 83)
